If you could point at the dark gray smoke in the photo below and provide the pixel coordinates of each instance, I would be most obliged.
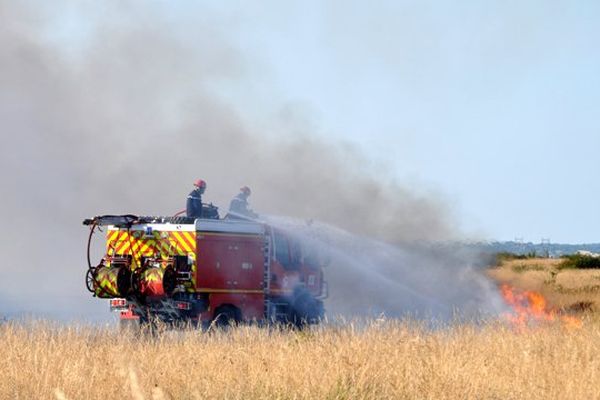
(121, 116)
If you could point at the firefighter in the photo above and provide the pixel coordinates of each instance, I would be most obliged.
(238, 208)
(194, 200)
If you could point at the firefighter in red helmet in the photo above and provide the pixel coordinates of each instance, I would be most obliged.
(194, 200)
(238, 208)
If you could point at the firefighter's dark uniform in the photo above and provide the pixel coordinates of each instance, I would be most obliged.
(193, 206)
(239, 207)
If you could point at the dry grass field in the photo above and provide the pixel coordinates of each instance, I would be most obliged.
(382, 359)
(385, 359)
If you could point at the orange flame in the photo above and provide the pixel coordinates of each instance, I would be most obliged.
(531, 307)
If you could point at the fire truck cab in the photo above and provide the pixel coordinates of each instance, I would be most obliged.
(177, 269)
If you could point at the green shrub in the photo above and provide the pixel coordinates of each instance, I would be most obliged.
(508, 256)
(580, 261)
(518, 268)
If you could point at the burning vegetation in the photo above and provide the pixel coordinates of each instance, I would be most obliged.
(531, 308)
(542, 284)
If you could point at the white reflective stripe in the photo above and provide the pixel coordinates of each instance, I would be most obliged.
(208, 225)
(165, 227)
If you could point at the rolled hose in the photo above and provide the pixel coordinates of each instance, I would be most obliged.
(155, 282)
(110, 282)
(118, 281)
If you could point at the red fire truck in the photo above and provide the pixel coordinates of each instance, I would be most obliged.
(178, 269)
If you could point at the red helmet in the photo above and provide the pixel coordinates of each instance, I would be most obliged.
(245, 190)
(200, 183)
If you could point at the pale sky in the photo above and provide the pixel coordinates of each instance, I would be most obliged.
(491, 105)
(494, 104)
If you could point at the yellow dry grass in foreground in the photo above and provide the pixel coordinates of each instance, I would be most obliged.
(386, 359)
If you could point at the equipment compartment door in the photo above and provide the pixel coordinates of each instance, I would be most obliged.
(229, 262)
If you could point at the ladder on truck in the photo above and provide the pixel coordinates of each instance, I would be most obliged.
(268, 308)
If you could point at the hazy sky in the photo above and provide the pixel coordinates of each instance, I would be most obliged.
(494, 104)
(491, 105)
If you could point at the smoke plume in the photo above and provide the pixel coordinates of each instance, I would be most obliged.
(123, 113)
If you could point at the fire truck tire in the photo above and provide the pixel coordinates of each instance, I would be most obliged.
(226, 315)
(305, 308)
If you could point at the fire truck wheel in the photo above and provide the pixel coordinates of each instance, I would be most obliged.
(305, 308)
(226, 315)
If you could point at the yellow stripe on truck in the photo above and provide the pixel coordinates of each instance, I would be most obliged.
(182, 242)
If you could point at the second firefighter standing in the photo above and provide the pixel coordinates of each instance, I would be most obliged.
(239, 208)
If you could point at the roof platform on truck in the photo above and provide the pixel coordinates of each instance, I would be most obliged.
(185, 223)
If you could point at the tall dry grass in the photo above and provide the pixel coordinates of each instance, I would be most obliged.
(385, 359)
